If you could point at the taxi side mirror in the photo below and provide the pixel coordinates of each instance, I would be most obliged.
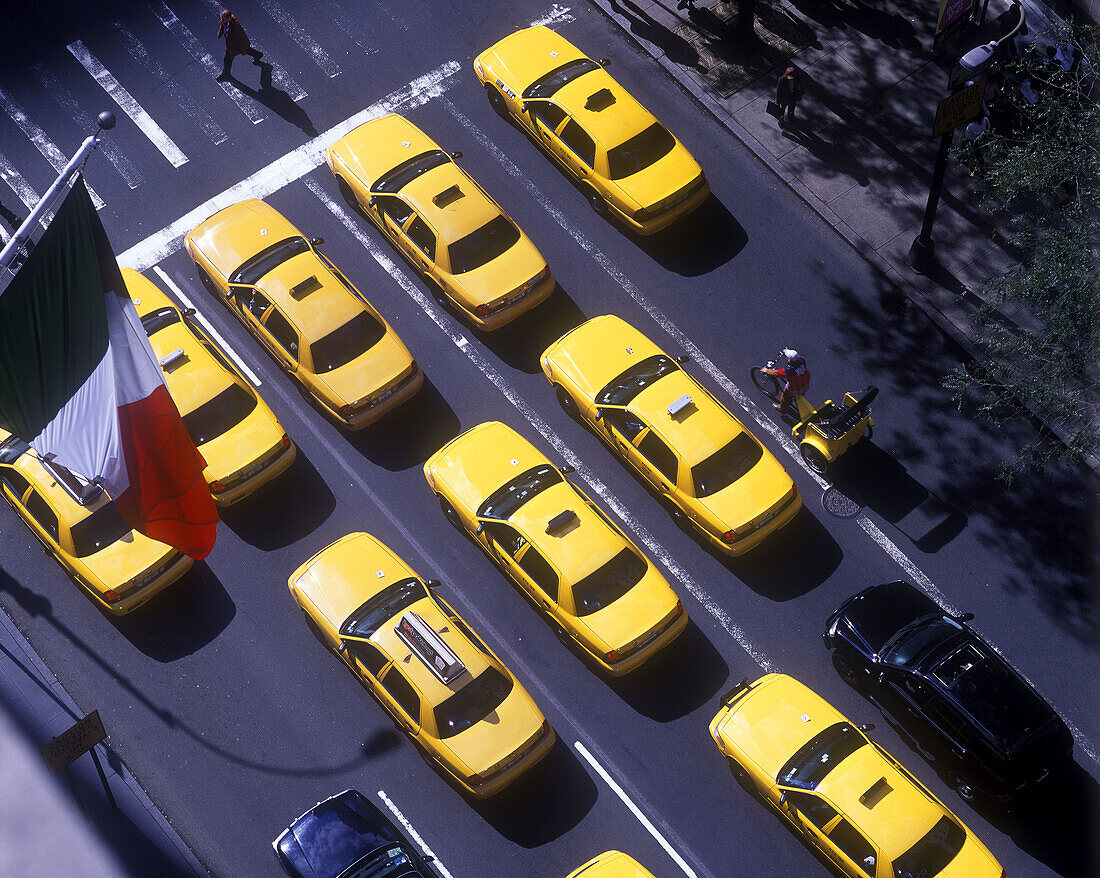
(456, 155)
(316, 242)
(965, 617)
(433, 583)
(867, 727)
(603, 62)
(567, 469)
(188, 312)
(683, 358)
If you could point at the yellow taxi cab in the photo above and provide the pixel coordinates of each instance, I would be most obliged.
(626, 162)
(711, 473)
(441, 221)
(612, 864)
(437, 679)
(242, 441)
(301, 307)
(79, 525)
(597, 589)
(844, 794)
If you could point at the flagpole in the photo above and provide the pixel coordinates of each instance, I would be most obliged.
(105, 122)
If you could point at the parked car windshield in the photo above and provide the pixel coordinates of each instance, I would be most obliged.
(726, 465)
(636, 379)
(99, 530)
(347, 342)
(820, 755)
(608, 583)
(548, 83)
(219, 414)
(155, 321)
(482, 245)
(383, 607)
(932, 853)
(505, 500)
(389, 863)
(399, 177)
(641, 151)
(253, 269)
(916, 640)
(472, 703)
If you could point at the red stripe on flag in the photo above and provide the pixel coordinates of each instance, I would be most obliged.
(168, 498)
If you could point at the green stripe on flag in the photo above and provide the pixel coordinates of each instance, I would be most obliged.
(53, 323)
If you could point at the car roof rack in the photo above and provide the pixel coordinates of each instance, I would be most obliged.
(429, 647)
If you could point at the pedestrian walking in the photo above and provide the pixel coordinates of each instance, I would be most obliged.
(236, 43)
(789, 92)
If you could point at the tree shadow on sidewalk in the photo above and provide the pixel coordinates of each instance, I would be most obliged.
(838, 157)
(276, 100)
(891, 28)
(643, 25)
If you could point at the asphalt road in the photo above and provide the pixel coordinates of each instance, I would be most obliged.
(217, 696)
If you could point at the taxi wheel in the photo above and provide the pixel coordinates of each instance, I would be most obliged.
(742, 777)
(595, 201)
(814, 459)
(678, 517)
(345, 191)
(567, 403)
(450, 514)
(962, 786)
(496, 101)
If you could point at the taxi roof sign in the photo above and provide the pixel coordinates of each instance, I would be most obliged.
(429, 647)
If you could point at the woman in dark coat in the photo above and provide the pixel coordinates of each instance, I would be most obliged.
(789, 91)
(236, 42)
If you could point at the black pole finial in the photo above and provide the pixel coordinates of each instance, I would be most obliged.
(106, 120)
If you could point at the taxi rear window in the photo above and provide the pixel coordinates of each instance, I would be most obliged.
(472, 703)
(215, 416)
(253, 269)
(399, 177)
(634, 380)
(99, 530)
(641, 151)
(482, 245)
(549, 83)
(726, 465)
(932, 853)
(608, 583)
(344, 344)
(155, 321)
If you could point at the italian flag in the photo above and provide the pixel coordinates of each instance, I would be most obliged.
(80, 383)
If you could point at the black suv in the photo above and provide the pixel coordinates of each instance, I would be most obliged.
(949, 690)
(347, 836)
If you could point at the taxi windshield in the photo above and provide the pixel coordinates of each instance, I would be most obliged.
(636, 379)
(253, 269)
(932, 853)
(726, 465)
(818, 756)
(383, 606)
(472, 703)
(482, 245)
(548, 83)
(344, 344)
(398, 178)
(220, 414)
(99, 530)
(608, 583)
(506, 499)
(641, 151)
(155, 321)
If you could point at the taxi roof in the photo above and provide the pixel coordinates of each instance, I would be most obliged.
(239, 232)
(325, 307)
(699, 430)
(450, 201)
(601, 349)
(479, 461)
(609, 122)
(580, 546)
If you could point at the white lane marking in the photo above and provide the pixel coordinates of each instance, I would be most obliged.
(127, 104)
(107, 145)
(288, 168)
(139, 53)
(677, 571)
(40, 140)
(299, 35)
(22, 188)
(634, 809)
(187, 39)
(556, 15)
(187, 303)
(280, 79)
(348, 27)
(781, 436)
(413, 833)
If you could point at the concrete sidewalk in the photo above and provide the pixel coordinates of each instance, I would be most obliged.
(860, 153)
(42, 835)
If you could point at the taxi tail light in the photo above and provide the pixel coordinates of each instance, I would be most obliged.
(217, 485)
(346, 410)
(483, 310)
(613, 656)
(642, 214)
(679, 611)
(111, 596)
(414, 368)
(730, 536)
(285, 441)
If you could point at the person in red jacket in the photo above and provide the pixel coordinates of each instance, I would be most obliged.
(236, 43)
(795, 377)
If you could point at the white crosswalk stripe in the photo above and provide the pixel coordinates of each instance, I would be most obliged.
(349, 27)
(303, 39)
(194, 48)
(40, 139)
(21, 187)
(127, 103)
(107, 146)
(209, 127)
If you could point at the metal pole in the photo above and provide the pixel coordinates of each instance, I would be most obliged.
(106, 121)
(922, 255)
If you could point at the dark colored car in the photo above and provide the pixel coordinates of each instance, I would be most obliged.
(347, 837)
(949, 690)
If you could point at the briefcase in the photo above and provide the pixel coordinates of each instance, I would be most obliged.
(775, 110)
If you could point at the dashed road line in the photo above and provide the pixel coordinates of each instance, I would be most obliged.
(127, 104)
(287, 169)
(130, 174)
(411, 830)
(303, 39)
(214, 132)
(634, 809)
(194, 48)
(187, 303)
(556, 15)
(40, 140)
